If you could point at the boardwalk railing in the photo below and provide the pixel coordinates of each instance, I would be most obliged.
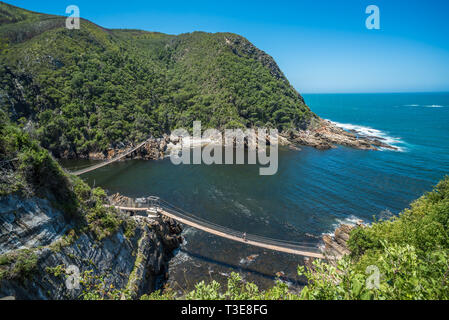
(170, 211)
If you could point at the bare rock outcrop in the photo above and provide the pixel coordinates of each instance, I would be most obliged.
(336, 245)
(325, 135)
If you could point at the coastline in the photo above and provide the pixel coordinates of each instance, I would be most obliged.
(335, 245)
(323, 135)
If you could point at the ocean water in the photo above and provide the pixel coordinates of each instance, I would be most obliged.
(312, 193)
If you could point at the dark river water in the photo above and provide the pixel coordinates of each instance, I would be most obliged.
(311, 194)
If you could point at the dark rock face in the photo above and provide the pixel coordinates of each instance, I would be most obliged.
(155, 149)
(155, 248)
(137, 262)
(242, 47)
(170, 232)
(28, 223)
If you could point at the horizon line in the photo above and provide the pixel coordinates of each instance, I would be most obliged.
(376, 92)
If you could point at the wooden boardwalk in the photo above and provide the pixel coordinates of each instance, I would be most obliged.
(287, 248)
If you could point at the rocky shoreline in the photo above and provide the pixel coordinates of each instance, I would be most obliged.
(327, 135)
(323, 135)
(335, 245)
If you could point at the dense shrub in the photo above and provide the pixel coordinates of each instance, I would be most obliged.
(18, 265)
(410, 252)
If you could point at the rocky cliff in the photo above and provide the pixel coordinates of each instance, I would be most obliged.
(54, 227)
(38, 248)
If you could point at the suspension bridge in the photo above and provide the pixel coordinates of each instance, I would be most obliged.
(158, 207)
(108, 162)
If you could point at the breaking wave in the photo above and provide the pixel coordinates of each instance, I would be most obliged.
(434, 106)
(351, 220)
(425, 106)
(369, 132)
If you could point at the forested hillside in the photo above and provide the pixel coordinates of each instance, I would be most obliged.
(91, 89)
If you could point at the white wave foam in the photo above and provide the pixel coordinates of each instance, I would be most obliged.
(179, 258)
(425, 106)
(248, 260)
(242, 208)
(351, 220)
(188, 232)
(434, 106)
(369, 132)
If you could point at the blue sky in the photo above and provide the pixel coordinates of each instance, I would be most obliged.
(321, 45)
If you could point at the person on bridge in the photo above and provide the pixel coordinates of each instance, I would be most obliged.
(244, 237)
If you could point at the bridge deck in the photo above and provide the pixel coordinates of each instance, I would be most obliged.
(221, 234)
(106, 163)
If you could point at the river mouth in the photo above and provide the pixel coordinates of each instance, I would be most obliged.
(204, 256)
(310, 195)
(297, 205)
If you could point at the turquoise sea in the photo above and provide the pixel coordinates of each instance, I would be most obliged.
(311, 194)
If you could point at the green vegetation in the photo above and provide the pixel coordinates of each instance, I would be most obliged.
(91, 89)
(18, 265)
(101, 220)
(78, 91)
(65, 241)
(130, 228)
(29, 170)
(131, 287)
(95, 288)
(411, 251)
(239, 290)
(57, 271)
